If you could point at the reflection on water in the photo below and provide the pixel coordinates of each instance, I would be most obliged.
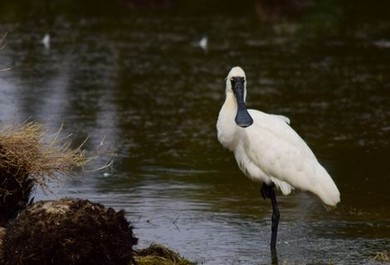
(139, 86)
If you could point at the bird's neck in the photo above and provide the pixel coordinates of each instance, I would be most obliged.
(226, 125)
(230, 104)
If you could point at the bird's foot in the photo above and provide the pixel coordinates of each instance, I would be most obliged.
(267, 191)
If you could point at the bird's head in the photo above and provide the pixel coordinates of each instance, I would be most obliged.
(236, 76)
(236, 84)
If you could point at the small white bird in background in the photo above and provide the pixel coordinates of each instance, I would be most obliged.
(203, 43)
(46, 41)
(269, 151)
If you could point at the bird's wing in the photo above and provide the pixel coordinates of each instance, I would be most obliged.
(284, 118)
(278, 127)
(281, 153)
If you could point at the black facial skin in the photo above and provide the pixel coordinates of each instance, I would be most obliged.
(243, 119)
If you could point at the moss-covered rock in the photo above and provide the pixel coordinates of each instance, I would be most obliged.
(157, 254)
(69, 232)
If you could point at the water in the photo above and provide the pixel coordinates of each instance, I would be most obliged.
(137, 86)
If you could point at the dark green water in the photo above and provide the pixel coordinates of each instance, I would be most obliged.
(137, 83)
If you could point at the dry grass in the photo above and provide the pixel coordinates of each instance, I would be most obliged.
(30, 155)
(2, 41)
(29, 148)
(2, 45)
(2, 234)
(383, 256)
(157, 254)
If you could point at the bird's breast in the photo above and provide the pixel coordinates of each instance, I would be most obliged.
(226, 127)
(226, 135)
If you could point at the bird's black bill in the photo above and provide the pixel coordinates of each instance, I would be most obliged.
(243, 119)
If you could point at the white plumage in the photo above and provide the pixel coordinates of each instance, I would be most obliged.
(46, 41)
(203, 43)
(269, 150)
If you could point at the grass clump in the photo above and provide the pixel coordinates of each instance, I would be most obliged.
(383, 256)
(157, 254)
(30, 156)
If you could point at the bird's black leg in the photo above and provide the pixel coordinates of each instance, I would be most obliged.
(268, 192)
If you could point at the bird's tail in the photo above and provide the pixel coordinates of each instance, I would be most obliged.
(326, 189)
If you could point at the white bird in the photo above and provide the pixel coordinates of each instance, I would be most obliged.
(203, 43)
(269, 151)
(46, 41)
